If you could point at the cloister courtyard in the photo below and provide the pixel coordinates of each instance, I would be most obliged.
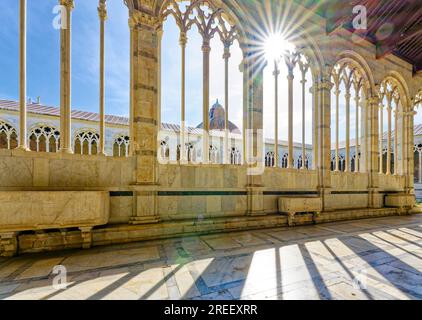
(210, 149)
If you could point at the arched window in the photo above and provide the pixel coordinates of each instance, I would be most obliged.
(44, 138)
(390, 122)
(418, 163)
(121, 146)
(348, 96)
(342, 163)
(8, 136)
(164, 150)
(354, 162)
(284, 160)
(86, 142)
(235, 156)
(195, 31)
(301, 165)
(191, 153)
(288, 99)
(213, 154)
(269, 159)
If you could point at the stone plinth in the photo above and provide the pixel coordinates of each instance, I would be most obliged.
(42, 210)
(400, 200)
(292, 205)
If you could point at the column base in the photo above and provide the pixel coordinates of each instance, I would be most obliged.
(86, 233)
(144, 220)
(256, 201)
(9, 244)
(66, 151)
(23, 148)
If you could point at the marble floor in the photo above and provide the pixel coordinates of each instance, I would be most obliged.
(366, 259)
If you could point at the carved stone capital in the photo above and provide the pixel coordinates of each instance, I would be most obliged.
(69, 4)
(325, 85)
(102, 10)
(374, 100)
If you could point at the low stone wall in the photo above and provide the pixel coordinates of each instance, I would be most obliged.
(41, 210)
(31, 171)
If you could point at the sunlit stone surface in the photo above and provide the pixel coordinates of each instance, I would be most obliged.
(366, 259)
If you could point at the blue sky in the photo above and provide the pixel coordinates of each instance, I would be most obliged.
(43, 54)
(43, 67)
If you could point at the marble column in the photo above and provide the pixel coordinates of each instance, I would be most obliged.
(337, 93)
(206, 49)
(276, 74)
(407, 144)
(347, 96)
(324, 133)
(145, 104)
(22, 78)
(381, 138)
(372, 136)
(132, 35)
(396, 136)
(303, 82)
(226, 57)
(357, 160)
(254, 137)
(183, 41)
(315, 116)
(244, 69)
(65, 79)
(102, 13)
(290, 78)
(389, 134)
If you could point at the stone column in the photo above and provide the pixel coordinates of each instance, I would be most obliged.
(146, 37)
(276, 74)
(373, 135)
(396, 135)
(347, 96)
(22, 78)
(183, 40)
(290, 78)
(337, 93)
(254, 137)
(315, 117)
(408, 142)
(244, 69)
(206, 49)
(357, 99)
(132, 36)
(389, 134)
(65, 79)
(324, 133)
(420, 166)
(303, 82)
(102, 13)
(381, 138)
(226, 57)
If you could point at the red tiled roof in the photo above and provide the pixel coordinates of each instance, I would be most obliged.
(118, 120)
(36, 108)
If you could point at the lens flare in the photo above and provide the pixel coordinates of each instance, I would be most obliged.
(275, 46)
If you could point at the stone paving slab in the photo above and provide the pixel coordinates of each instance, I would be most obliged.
(366, 259)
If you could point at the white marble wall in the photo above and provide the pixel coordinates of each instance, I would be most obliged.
(112, 131)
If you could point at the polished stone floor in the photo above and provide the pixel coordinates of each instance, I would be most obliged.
(365, 259)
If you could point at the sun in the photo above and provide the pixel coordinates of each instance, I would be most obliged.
(275, 45)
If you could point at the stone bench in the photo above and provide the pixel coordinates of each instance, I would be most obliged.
(400, 200)
(43, 210)
(293, 205)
